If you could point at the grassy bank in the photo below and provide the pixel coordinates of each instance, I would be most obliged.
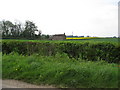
(60, 70)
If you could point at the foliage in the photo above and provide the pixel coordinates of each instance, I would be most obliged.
(85, 50)
(60, 70)
(30, 29)
(17, 30)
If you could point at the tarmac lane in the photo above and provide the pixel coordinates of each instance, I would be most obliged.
(19, 85)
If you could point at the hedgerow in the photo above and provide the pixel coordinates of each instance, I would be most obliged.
(87, 51)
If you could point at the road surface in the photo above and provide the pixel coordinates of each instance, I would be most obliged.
(20, 84)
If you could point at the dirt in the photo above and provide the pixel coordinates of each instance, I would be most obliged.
(20, 84)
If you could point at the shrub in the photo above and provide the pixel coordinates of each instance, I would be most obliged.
(87, 51)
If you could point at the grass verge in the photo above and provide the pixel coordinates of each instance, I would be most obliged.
(60, 70)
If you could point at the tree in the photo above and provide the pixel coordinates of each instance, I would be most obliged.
(17, 30)
(30, 29)
(9, 29)
(6, 27)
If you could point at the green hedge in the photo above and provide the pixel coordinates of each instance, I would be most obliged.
(87, 51)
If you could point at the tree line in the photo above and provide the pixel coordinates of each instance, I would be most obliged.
(16, 30)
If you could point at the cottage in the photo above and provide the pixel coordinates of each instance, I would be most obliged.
(59, 37)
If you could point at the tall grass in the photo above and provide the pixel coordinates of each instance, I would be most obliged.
(60, 70)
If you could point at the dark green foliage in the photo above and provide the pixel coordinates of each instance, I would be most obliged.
(60, 70)
(13, 31)
(87, 51)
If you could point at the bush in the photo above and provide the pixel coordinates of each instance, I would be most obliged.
(87, 51)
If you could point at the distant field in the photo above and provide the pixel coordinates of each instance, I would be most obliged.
(81, 41)
(94, 39)
(106, 39)
(79, 38)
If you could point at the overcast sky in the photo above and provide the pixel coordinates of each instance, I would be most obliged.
(82, 17)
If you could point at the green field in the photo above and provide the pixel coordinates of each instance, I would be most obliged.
(88, 40)
(114, 41)
(70, 63)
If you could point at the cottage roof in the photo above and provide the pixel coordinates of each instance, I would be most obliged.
(59, 35)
